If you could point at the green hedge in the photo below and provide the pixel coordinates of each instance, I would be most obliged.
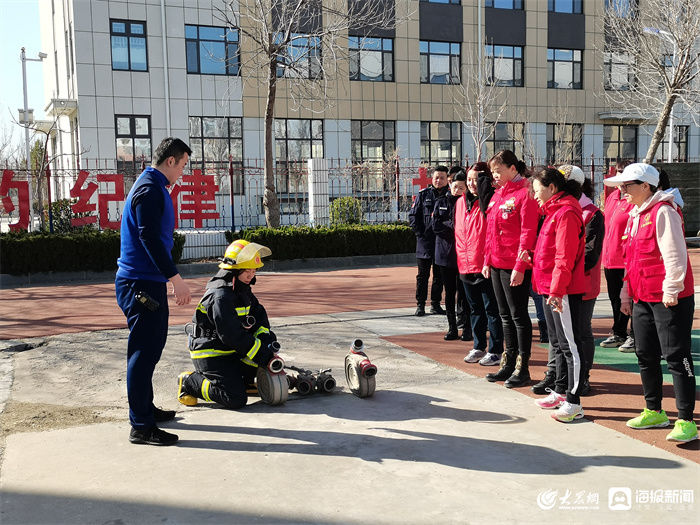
(94, 251)
(305, 242)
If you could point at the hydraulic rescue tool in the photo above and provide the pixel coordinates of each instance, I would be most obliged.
(359, 371)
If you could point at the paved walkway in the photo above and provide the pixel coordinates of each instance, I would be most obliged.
(436, 443)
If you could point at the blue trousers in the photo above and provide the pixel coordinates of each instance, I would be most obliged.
(484, 314)
(148, 331)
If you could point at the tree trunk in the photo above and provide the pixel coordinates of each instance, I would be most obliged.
(659, 132)
(270, 202)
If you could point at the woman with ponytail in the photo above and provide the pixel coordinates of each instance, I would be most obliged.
(511, 230)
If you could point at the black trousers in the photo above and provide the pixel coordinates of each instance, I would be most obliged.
(449, 280)
(665, 332)
(512, 307)
(587, 340)
(221, 380)
(424, 266)
(565, 341)
(613, 276)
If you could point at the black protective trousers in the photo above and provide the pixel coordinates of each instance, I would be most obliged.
(221, 380)
(424, 266)
(613, 278)
(512, 307)
(666, 332)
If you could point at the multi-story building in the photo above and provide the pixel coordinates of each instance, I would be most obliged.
(123, 74)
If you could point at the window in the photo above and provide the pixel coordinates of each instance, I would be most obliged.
(506, 135)
(301, 58)
(622, 8)
(565, 6)
(296, 141)
(439, 62)
(680, 145)
(504, 4)
(133, 134)
(371, 59)
(618, 72)
(372, 140)
(212, 50)
(440, 142)
(213, 141)
(564, 143)
(442, 1)
(505, 65)
(619, 142)
(564, 68)
(129, 51)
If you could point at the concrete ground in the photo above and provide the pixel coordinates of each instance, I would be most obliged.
(436, 443)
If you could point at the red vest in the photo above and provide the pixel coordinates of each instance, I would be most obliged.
(617, 211)
(592, 276)
(645, 265)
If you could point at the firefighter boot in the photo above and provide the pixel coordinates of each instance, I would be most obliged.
(506, 369)
(452, 332)
(521, 374)
(182, 395)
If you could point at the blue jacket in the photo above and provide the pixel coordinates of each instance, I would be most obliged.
(420, 219)
(148, 221)
(444, 228)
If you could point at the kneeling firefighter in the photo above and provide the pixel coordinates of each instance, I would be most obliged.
(230, 333)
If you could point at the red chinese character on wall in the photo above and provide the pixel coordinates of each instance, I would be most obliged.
(83, 205)
(22, 188)
(103, 199)
(198, 198)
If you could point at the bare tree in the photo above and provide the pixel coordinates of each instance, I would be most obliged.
(655, 46)
(479, 99)
(306, 43)
(566, 136)
(10, 150)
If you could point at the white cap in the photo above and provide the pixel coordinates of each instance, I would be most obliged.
(637, 171)
(574, 173)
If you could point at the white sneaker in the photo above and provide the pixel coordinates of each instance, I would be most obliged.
(474, 356)
(628, 346)
(568, 412)
(553, 400)
(490, 360)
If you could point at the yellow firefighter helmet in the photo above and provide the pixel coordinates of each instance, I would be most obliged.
(241, 255)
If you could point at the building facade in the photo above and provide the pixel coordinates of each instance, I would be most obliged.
(123, 74)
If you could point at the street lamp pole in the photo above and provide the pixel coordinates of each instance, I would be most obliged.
(24, 59)
(669, 38)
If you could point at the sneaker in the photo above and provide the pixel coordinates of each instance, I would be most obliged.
(683, 431)
(420, 311)
(649, 419)
(628, 346)
(552, 401)
(568, 412)
(436, 309)
(182, 396)
(490, 360)
(474, 356)
(160, 415)
(612, 342)
(153, 436)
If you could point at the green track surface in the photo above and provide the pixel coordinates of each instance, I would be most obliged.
(613, 358)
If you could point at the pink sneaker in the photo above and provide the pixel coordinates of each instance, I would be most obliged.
(552, 401)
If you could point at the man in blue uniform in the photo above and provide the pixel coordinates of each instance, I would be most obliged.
(420, 219)
(145, 267)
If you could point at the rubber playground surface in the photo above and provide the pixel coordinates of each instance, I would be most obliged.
(43, 311)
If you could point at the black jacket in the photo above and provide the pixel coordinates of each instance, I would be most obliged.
(420, 219)
(220, 323)
(444, 228)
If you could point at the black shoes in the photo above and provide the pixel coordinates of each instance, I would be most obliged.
(152, 436)
(436, 309)
(505, 371)
(546, 384)
(452, 334)
(160, 416)
(467, 335)
(585, 389)
(420, 311)
(521, 374)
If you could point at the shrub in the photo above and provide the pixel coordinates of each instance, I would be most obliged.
(345, 210)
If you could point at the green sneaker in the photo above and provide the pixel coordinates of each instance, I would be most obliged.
(649, 419)
(683, 431)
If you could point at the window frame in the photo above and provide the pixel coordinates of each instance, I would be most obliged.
(312, 51)
(576, 144)
(514, 144)
(132, 135)
(609, 63)
(283, 165)
(232, 64)
(492, 58)
(514, 3)
(450, 55)
(128, 35)
(680, 138)
(359, 48)
(430, 140)
(619, 142)
(576, 6)
(552, 64)
(361, 140)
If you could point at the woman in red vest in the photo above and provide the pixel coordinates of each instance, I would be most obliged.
(558, 274)
(659, 279)
(511, 230)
